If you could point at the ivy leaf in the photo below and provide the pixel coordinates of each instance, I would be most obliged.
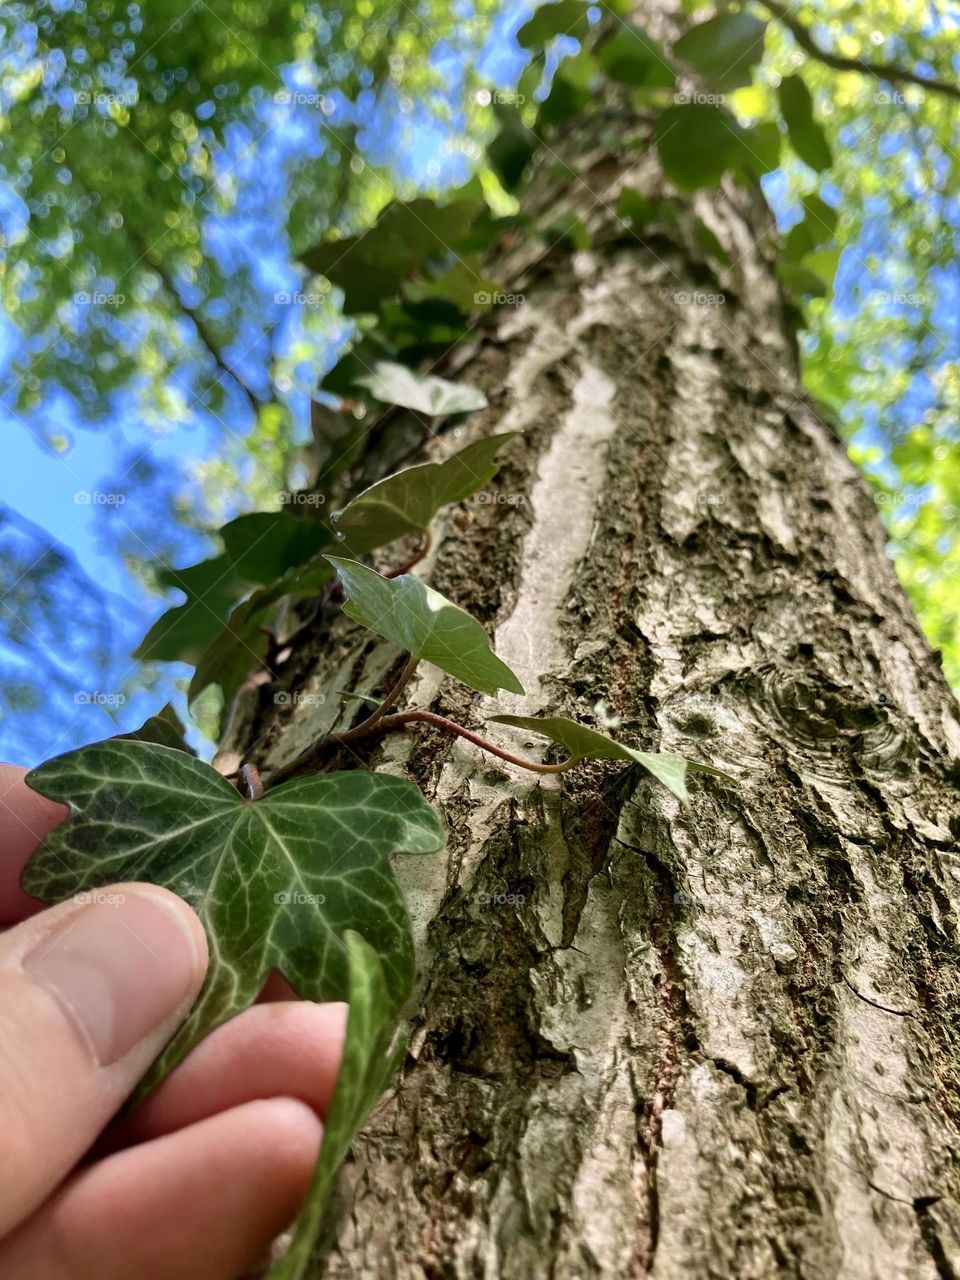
(408, 501)
(512, 149)
(632, 57)
(275, 882)
(259, 547)
(724, 49)
(562, 18)
(806, 137)
(396, 384)
(584, 743)
(424, 623)
(183, 632)
(242, 643)
(165, 728)
(373, 265)
(371, 1057)
(697, 144)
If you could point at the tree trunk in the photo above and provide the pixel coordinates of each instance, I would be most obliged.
(646, 1041)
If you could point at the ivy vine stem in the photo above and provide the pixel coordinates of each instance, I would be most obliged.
(385, 724)
(250, 781)
(367, 726)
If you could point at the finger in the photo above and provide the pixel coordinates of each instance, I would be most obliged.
(272, 1050)
(89, 994)
(25, 818)
(201, 1204)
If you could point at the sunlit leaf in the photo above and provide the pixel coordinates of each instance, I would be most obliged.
(396, 384)
(584, 743)
(424, 623)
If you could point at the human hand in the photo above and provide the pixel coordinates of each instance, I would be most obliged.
(194, 1183)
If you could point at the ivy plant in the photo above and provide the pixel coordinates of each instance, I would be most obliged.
(293, 874)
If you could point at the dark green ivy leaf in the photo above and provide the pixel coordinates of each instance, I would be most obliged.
(561, 18)
(806, 137)
(276, 882)
(165, 728)
(724, 49)
(372, 266)
(408, 501)
(584, 743)
(372, 1054)
(425, 624)
(632, 57)
(512, 148)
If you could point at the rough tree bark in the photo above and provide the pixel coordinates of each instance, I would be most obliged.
(650, 1042)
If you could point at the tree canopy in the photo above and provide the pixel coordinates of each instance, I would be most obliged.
(222, 227)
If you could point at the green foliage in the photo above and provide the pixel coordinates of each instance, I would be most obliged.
(276, 882)
(371, 1057)
(698, 142)
(806, 137)
(724, 49)
(407, 501)
(425, 624)
(584, 743)
(561, 18)
(396, 384)
(632, 57)
(371, 266)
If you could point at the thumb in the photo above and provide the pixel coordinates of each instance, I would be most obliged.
(90, 992)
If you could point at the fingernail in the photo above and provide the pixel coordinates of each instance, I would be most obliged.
(120, 967)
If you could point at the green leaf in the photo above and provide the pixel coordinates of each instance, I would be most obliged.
(372, 266)
(242, 643)
(275, 882)
(183, 632)
(632, 57)
(512, 148)
(584, 743)
(396, 384)
(562, 18)
(408, 501)
(724, 49)
(264, 544)
(165, 728)
(424, 623)
(806, 137)
(259, 548)
(697, 143)
(371, 1058)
